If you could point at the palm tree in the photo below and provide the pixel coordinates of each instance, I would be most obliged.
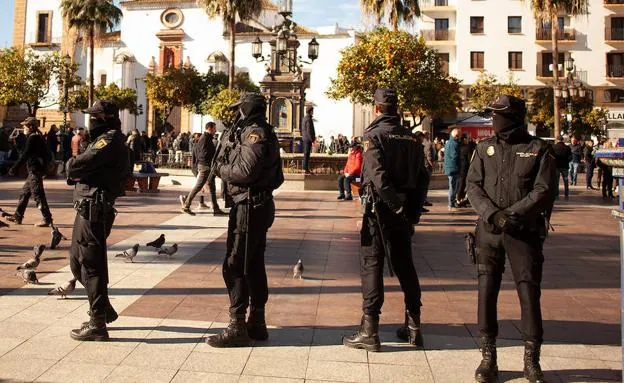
(397, 10)
(91, 17)
(547, 12)
(229, 10)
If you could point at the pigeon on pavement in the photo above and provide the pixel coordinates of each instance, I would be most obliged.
(157, 243)
(298, 270)
(4, 213)
(129, 254)
(176, 183)
(3, 224)
(168, 250)
(28, 275)
(33, 262)
(56, 237)
(64, 289)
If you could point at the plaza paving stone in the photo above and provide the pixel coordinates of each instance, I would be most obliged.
(170, 306)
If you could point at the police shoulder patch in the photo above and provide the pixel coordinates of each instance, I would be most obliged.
(253, 138)
(99, 144)
(365, 144)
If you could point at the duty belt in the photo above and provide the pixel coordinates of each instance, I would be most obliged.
(91, 210)
(259, 199)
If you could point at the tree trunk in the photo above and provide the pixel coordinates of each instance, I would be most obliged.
(232, 52)
(91, 64)
(554, 29)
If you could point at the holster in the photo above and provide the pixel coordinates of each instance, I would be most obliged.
(93, 209)
(366, 237)
(469, 242)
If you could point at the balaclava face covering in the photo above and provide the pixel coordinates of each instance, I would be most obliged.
(508, 126)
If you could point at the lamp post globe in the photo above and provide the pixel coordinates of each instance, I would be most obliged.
(256, 48)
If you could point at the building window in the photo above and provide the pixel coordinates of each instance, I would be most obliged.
(514, 24)
(615, 65)
(515, 60)
(614, 96)
(103, 79)
(476, 24)
(43, 27)
(616, 32)
(477, 60)
(442, 29)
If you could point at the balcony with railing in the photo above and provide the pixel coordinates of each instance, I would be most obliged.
(618, 4)
(36, 40)
(615, 72)
(614, 35)
(434, 6)
(439, 36)
(544, 70)
(565, 35)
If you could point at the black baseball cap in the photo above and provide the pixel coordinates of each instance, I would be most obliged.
(386, 97)
(107, 107)
(506, 104)
(250, 98)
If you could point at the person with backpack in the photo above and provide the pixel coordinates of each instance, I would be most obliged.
(37, 157)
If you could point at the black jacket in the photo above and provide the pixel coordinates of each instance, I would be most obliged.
(204, 149)
(563, 155)
(104, 165)
(588, 155)
(254, 162)
(36, 154)
(518, 178)
(307, 131)
(577, 152)
(392, 162)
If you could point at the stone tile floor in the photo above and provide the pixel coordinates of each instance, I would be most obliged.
(169, 306)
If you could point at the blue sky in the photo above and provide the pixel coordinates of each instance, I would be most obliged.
(311, 13)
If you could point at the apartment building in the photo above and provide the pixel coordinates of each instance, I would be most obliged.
(502, 36)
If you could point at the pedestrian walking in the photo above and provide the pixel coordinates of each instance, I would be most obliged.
(563, 158)
(76, 141)
(99, 175)
(589, 157)
(430, 156)
(465, 155)
(203, 153)
(577, 156)
(309, 136)
(510, 186)
(53, 141)
(452, 167)
(37, 157)
(391, 178)
(252, 171)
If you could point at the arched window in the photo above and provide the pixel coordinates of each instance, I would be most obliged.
(615, 96)
(218, 62)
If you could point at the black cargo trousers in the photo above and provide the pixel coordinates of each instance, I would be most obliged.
(88, 258)
(247, 231)
(34, 187)
(526, 259)
(398, 233)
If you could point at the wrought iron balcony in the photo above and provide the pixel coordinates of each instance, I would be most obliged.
(563, 35)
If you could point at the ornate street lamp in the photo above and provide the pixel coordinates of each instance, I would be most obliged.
(313, 49)
(66, 64)
(570, 87)
(256, 48)
(285, 7)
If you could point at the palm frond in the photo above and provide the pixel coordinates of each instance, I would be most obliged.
(544, 10)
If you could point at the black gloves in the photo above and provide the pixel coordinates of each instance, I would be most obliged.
(507, 223)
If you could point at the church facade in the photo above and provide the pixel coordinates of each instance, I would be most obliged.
(156, 34)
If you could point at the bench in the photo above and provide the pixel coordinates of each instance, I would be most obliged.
(355, 186)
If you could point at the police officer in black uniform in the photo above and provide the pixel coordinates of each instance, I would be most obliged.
(392, 180)
(251, 167)
(37, 157)
(511, 185)
(99, 176)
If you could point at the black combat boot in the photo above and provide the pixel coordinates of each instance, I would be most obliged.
(410, 331)
(532, 370)
(16, 219)
(111, 315)
(235, 335)
(93, 330)
(487, 371)
(256, 325)
(367, 337)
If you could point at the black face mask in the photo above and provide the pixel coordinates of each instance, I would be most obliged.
(507, 126)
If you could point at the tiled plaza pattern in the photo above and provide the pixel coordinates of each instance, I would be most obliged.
(169, 306)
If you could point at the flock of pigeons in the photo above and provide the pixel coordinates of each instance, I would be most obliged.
(27, 270)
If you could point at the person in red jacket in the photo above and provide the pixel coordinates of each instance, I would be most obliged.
(352, 170)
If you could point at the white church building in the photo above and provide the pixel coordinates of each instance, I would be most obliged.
(154, 34)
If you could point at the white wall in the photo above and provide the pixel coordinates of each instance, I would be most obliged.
(32, 7)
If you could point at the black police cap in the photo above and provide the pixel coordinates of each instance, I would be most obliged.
(386, 97)
(251, 98)
(107, 107)
(506, 104)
